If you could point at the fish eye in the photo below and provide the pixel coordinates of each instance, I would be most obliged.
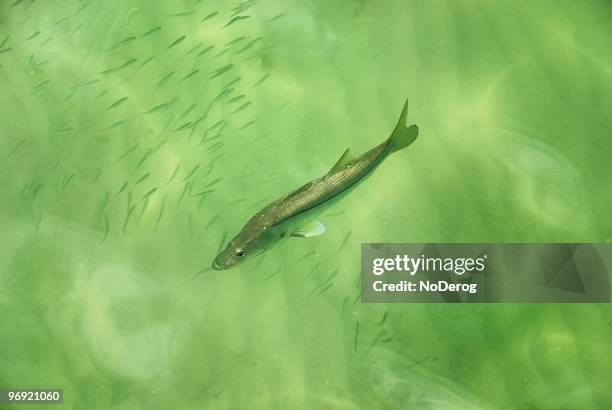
(240, 253)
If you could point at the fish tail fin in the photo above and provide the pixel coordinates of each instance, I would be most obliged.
(402, 135)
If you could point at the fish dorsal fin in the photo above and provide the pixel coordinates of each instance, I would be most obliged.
(344, 160)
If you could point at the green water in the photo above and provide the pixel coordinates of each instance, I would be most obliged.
(104, 283)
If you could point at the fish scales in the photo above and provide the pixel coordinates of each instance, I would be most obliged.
(322, 189)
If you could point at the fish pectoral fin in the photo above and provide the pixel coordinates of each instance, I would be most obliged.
(310, 230)
(344, 160)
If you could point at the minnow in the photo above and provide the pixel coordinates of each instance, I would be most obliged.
(235, 99)
(205, 51)
(242, 107)
(126, 64)
(187, 111)
(221, 70)
(117, 103)
(235, 20)
(147, 61)
(161, 106)
(161, 212)
(295, 214)
(276, 17)
(164, 79)
(209, 16)
(182, 14)
(194, 48)
(191, 74)
(153, 30)
(177, 41)
(261, 80)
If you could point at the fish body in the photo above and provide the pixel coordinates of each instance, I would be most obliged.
(288, 215)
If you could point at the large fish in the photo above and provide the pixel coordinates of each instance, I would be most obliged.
(295, 214)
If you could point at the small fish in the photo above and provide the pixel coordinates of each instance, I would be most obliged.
(261, 80)
(161, 106)
(153, 30)
(346, 238)
(116, 124)
(6, 38)
(209, 16)
(42, 84)
(174, 173)
(384, 318)
(234, 41)
(129, 151)
(356, 342)
(242, 107)
(203, 193)
(127, 40)
(236, 99)
(295, 214)
(177, 41)
(207, 49)
(209, 224)
(145, 157)
(246, 125)
(243, 49)
(14, 150)
(44, 43)
(106, 230)
(102, 208)
(97, 176)
(182, 14)
(245, 5)
(191, 74)
(194, 48)
(125, 185)
(187, 111)
(142, 178)
(122, 66)
(183, 126)
(219, 54)
(100, 95)
(161, 212)
(276, 17)
(164, 79)
(215, 182)
(117, 103)
(221, 70)
(151, 192)
(235, 19)
(127, 219)
(215, 125)
(60, 21)
(193, 171)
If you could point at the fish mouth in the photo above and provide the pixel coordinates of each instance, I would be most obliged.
(218, 266)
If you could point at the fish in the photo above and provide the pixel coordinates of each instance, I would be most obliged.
(177, 41)
(294, 215)
(153, 30)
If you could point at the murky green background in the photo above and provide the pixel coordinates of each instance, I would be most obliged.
(129, 147)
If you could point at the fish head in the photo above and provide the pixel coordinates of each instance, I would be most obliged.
(247, 244)
(233, 255)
